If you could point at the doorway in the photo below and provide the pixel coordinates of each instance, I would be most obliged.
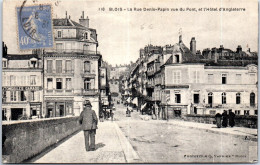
(16, 113)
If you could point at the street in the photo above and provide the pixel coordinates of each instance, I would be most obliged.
(159, 141)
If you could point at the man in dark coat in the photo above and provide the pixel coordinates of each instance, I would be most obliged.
(88, 120)
(231, 118)
(218, 119)
(225, 118)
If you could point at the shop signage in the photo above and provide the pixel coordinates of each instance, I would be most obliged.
(21, 88)
(177, 86)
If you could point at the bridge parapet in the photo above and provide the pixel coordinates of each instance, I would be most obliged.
(25, 139)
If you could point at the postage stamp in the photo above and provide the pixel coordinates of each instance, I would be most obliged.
(34, 27)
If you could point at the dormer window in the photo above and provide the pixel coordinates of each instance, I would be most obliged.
(86, 36)
(59, 34)
(33, 63)
(177, 58)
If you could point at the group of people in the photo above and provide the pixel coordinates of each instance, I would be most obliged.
(104, 115)
(225, 119)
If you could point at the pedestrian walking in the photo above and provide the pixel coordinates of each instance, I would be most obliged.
(231, 118)
(112, 115)
(218, 119)
(88, 120)
(101, 116)
(225, 118)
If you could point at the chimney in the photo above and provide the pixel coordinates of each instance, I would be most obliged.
(193, 45)
(180, 38)
(83, 21)
(66, 14)
(239, 49)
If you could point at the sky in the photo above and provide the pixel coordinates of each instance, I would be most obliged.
(121, 34)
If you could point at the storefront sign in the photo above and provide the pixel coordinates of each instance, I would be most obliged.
(177, 86)
(21, 88)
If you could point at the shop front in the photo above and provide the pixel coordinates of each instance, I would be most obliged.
(59, 108)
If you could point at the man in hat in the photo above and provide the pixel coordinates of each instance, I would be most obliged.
(88, 120)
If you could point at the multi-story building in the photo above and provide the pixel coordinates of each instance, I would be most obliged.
(181, 81)
(22, 86)
(71, 71)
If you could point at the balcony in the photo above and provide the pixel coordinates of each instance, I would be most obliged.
(59, 91)
(88, 74)
(63, 73)
(71, 51)
(90, 92)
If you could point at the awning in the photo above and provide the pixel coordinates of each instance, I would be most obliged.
(143, 106)
(135, 101)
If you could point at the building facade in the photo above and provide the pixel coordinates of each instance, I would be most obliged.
(175, 81)
(71, 71)
(22, 87)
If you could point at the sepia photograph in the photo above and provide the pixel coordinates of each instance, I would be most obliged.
(129, 81)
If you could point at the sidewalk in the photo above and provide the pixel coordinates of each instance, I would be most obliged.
(246, 133)
(111, 147)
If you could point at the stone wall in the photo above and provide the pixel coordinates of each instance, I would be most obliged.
(240, 121)
(25, 139)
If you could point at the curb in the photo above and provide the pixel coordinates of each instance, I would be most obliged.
(130, 155)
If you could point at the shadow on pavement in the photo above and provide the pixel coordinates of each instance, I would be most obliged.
(100, 145)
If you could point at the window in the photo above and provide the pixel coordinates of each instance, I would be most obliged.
(252, 99)
(177, 98)
(49, 66)
(68, 66)
(176, 77)
(87, 66)
(256, 112)
(210, 78)
(32, 95)
(252, 78)
(49, 83)
(12, 80)
(33, 64)
(3, 96)
(22, 96)
(4, 64)
(210, 98)
(224, 78)
(196, 76)
(59, 34)
(13, 95)
(87, 84)
(32, 79)
(86, 36)
(68, 83)
(238, 78)
(246, 112)
(59, 66)
(177, 58)
(224, 99)
(58, 83)
(59, 47)
(196, 98)
(237, 112)
(238, 98)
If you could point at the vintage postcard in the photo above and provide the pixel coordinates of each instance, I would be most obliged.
(130, 81)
